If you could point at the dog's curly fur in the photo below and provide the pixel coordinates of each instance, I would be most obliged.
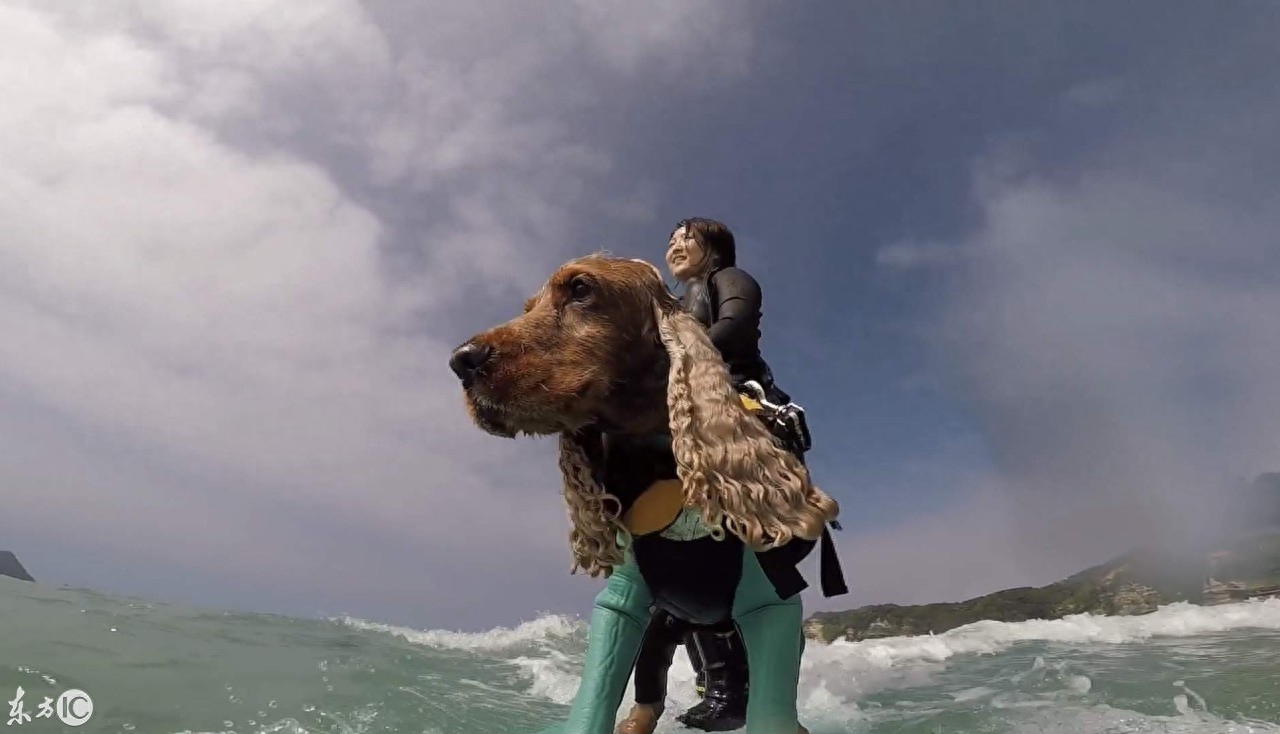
(605, 347)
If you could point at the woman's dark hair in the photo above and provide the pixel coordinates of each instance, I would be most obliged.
(714, 236)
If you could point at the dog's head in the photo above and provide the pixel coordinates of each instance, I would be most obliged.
(585, 352)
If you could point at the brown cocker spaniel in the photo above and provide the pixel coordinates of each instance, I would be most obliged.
(604, 344)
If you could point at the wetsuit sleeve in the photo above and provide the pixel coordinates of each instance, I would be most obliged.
(738, 301)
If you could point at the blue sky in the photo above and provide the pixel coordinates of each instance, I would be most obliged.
(1019, 263)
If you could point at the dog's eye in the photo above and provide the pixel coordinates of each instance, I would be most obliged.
(579, 289)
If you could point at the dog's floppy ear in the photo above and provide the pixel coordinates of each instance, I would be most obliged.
(593, 513)
(730, 465)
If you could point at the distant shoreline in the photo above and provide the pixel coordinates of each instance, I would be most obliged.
(1138, 582)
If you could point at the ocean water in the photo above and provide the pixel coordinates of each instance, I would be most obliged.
(154, 668)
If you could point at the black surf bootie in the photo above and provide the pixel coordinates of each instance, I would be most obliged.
(723, 675)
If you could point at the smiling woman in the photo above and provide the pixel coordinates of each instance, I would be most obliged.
(702, 255)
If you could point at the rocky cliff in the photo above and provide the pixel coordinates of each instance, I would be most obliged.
(10, 566)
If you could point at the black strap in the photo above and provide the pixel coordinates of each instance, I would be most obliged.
(829, 571)
(781, 567)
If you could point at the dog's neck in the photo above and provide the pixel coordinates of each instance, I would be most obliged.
(637, 404)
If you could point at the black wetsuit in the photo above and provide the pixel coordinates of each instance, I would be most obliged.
(728, 303)
(632, 465)
(685, 596)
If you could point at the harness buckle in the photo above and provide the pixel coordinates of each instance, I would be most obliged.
(791, 417)
(756, 392)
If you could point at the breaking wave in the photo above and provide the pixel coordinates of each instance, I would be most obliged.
(860, 686)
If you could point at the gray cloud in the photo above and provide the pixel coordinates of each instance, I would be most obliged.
(237, 238)
(1113, 324)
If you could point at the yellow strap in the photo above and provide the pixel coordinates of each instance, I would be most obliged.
(655, 508)
(660, 504)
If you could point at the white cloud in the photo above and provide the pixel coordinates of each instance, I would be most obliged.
(1095, 92)
(705, 40)
(907, 256)
(194, 256)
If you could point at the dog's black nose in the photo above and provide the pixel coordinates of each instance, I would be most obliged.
(468, 359)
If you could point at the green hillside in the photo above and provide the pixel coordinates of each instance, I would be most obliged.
(1246, 564)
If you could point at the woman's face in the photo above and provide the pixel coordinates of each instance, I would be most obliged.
(686, 257)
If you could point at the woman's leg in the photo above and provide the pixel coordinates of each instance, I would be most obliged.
(695, 661)
(656, 654)
(773, 635)
(653, 664)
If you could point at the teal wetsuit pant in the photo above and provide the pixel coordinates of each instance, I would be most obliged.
(770, 629)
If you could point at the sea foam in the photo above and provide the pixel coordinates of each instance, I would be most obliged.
(837, 678)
